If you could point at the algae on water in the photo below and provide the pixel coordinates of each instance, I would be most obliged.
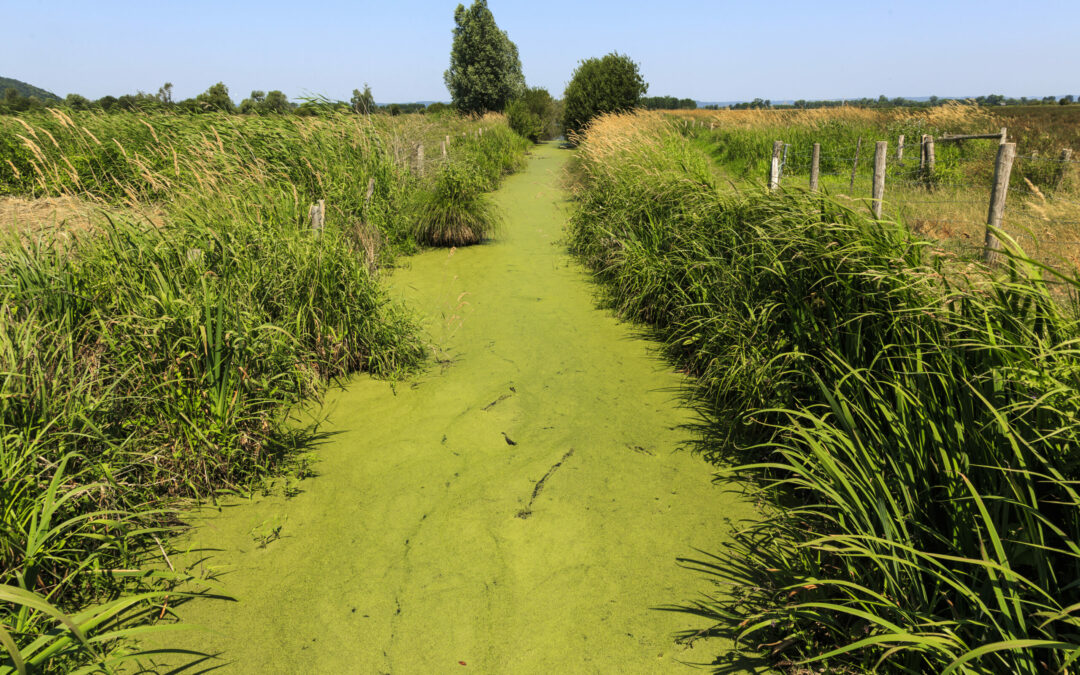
(518, 508)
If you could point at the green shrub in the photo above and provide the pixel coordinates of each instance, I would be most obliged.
(605, 85)
(523, 121)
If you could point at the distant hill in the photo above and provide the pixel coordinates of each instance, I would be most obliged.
(26, 89)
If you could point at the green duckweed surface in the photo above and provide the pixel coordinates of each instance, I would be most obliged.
(518, 508)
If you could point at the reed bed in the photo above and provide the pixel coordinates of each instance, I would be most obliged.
(911, 435)
(152, 352)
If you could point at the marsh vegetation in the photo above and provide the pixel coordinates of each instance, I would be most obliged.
(151, 354)
(910, 432)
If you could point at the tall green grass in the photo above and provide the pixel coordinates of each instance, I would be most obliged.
(142, 363)
(912, 438)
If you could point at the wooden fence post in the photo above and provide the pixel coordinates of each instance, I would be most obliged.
(1066, 157)
(900, 149)
(370, 191)
(1004, 135)
(774, 167)
(317, 215)
(815, 166)
(1002, 169)
(855, 165)
(878, 191)
(783, 163)
(922, 155)
(444, 149)
(928, 152)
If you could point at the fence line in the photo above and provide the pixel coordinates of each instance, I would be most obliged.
(929, 178)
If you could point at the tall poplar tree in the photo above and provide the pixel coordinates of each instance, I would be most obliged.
(485, 70)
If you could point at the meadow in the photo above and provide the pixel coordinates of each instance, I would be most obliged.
(908, 428)
(156, 334)
(950, 206)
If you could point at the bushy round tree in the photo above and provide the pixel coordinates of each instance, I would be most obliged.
(609, 84)
(216, 98)
(485, 70)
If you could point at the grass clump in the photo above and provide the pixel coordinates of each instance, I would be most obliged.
(912, 438)
(455, 211)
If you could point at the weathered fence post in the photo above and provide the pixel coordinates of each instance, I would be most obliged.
(900, 149)
(444, 149)
(774, 166)
(928, 152)
(922, 155)
(878, 191)
(1004, 135)
(1002, 169)
(815, 166)
(783, 164)
(855, 165)
(370, 191)
(1066, 157)
(317, 215)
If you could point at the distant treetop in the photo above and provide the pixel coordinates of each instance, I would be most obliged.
(485, 69)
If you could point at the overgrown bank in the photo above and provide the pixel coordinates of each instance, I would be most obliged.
(913, 436)
(140, 362)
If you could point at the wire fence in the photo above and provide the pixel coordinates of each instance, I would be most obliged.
(947, 195)
(945, 189)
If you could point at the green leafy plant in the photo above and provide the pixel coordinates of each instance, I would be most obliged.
(524, 121)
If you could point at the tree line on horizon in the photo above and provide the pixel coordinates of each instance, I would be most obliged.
(899, 102)
(215, 99)
(485, 75)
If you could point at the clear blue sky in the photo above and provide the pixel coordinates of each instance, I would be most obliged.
(713, 51)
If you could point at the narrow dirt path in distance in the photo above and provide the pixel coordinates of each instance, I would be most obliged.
(518, 508)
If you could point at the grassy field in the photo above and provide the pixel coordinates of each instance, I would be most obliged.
(165, 303)
(1043, 211)
(911, 432)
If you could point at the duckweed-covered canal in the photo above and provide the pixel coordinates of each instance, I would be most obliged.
(517, 508)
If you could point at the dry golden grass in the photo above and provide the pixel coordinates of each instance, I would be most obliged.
(1045, 227)
(953, 115)
(66, 215)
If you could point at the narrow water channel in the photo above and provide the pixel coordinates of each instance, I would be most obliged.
(517, 508)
